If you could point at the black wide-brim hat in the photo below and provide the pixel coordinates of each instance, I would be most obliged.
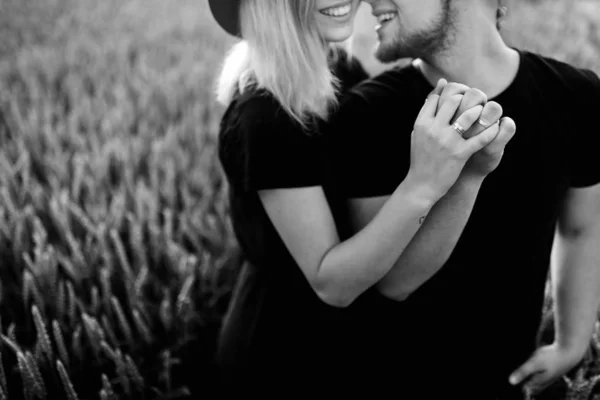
(227, 15)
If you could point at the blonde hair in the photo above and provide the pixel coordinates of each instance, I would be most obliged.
(281, 52)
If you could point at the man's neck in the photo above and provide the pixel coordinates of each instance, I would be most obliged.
(478, 58)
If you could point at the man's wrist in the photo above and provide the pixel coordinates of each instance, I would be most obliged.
(468, 182)
(573, 349)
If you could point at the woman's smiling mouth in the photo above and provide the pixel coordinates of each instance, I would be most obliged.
(339, 11)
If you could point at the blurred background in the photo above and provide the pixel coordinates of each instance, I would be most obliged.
(116, 254)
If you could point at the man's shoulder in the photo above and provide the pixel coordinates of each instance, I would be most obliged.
(560, 73)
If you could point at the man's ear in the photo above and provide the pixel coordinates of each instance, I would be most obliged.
(501, 14)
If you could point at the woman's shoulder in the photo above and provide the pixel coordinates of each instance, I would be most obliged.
(255, 105)
(254, 119)
(262, 147)
(254, 111)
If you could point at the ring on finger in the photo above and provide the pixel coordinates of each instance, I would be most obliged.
(458, 128)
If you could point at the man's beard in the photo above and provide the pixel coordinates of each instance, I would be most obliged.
(424, 44)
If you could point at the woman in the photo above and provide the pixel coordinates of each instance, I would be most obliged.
(300, 301)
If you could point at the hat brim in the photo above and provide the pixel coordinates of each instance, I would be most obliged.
(227, 15)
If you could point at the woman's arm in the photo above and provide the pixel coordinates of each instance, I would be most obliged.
(340, 271)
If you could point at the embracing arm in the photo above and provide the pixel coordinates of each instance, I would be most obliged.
(340, 272)
(433, 243)
(576, 269)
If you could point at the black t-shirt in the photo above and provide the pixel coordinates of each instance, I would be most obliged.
(476, 320)
(276, 321)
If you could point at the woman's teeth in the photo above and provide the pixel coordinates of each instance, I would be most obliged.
(383, 18)
(341, 11)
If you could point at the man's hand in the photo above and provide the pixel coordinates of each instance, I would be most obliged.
(546, 365)
(487, 159)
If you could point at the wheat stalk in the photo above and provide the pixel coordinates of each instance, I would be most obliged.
(10, 340)
(108, 330)
(122, 372)
(107, 388)
(42, 333)
(94, 338)
(3, 383)
(106, 287)
(165, 312)
(76, 341)
(60, 343)
(95, 300)
(183, 299)
(72, 310)
(37, 375)
(134, 373)
(142, 327)
(66, 382)
(122, 320)
(125, 267)
(29, 385)
(61, 299)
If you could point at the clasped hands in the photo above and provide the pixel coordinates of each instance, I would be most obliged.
(458, 133)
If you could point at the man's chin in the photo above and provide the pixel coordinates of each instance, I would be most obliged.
(387, 54)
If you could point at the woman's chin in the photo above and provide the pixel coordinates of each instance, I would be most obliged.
(338, 35)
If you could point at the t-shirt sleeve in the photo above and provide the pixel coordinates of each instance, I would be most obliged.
(263, 148)
(585, 136)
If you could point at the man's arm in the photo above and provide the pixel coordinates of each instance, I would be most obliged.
(575, 275)
(576, 269)
(436, 239)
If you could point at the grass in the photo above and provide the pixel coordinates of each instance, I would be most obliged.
(117, 254)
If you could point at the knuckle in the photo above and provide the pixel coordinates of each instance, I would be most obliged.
(457, 153)
(421, 126)
(471, 114)
(481, 96)
(429, 131)
(477, 96)
(454, 87)
(456, 99)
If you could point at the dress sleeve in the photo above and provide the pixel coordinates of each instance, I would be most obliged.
(261, 147)
(585, 135)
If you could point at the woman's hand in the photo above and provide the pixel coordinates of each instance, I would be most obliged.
(438, 150)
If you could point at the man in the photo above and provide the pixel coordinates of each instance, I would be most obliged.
(464, 300)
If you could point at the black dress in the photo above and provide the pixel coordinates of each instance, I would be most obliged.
(276, 328)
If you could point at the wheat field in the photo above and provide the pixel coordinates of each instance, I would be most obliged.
(117, 255)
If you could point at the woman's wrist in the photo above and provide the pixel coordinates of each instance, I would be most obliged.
(420, 193)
